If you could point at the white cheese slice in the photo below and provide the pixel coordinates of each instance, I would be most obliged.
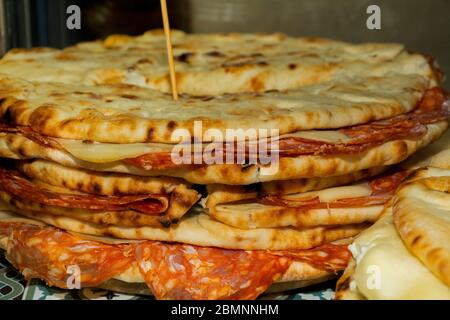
(108, 152)
(333, 194)
(387, 270)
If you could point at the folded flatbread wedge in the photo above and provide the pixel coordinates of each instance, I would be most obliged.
(246, 208)
(404, 255)
(106, 199)
(422, 217)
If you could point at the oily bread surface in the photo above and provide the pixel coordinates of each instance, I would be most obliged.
(213, 64)
(129, 114)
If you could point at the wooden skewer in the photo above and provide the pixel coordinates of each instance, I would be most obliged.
(173, 79)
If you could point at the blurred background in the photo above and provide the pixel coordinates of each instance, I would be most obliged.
(421, 25)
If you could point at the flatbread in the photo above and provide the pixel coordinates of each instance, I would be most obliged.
(220, 193)
(441, 160)
(248, 207)
(199, 229)
(102, 183)
(422, 218)
(309, 166)
(345, 286)
(309, 184)
(121, 114)
(256, 215)
(213, 64)
(436, 154)
(234, 210)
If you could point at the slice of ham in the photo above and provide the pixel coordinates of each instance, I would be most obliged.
(382, 189)
(18, 186)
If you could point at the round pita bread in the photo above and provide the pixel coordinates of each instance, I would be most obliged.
(422, 218)
(102, 183)
(212, 64)
(117, 114)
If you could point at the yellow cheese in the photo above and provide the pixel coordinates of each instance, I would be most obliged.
(108, 152)
(387, 270)
(356, 191)
(333, 194)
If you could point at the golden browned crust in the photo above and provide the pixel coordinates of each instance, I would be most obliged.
(421, 215)
(213, 64)
(345, 290)
(106, 114)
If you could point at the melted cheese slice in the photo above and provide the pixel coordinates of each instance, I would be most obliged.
(333, 194)
(108, 152)
(387, 270)
(331, 136)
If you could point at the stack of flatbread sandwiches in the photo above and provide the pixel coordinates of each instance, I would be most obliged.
(91, 194)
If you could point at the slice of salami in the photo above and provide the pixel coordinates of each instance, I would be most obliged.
(331, 257)
(172, 271)
(178, 271)
(433, 107)
(58, 257)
